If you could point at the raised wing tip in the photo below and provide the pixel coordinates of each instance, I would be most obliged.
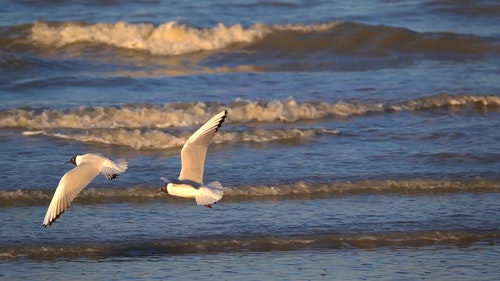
(111, 176)
(222, 119)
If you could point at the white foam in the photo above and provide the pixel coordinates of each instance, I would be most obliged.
(170, 38)
(240, 111)
(156, 139)
(175, 115)
(109, 117)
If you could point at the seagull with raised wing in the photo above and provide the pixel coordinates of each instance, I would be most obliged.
(88, 166)
(190, 181)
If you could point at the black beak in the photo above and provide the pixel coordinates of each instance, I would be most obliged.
(71, 161)
(163, 189)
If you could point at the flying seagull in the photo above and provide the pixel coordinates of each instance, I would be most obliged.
(88, 166)
(190, 181)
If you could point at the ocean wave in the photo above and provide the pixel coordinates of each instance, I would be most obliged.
(240, 111)
(155, 139)
(238, 244)
(173, 48)
(172, 38)
(468, 8)
(134, 116)
(448, 101)
(304, 190)
(414, 186)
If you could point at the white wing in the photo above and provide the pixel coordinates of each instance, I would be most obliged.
(210, 194)
(77, 179)
(111, 169)
(69, 186)
(194, 151)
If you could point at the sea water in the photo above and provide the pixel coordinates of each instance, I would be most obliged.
(362, 139)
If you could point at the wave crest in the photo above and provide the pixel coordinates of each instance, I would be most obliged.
(155, 139)
(415, 186)
(241, 111)
(170, 38)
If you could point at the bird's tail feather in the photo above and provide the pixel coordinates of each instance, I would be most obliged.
(210, 193)
(111, 169)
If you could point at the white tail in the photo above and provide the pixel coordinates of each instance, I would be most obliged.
(210, 193)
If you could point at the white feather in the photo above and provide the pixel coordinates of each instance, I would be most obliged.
(209, 194)
(74, 181)
(194, 151)
(193, 154)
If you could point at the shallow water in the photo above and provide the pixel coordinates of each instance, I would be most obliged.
(361, 142)
(436, 263)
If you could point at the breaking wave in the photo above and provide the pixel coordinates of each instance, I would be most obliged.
(174, 48)
(173, 38)
(241, 111)
(179, 115)
(155, 139)
(169, 38)
(145, 126)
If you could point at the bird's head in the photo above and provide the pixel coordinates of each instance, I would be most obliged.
(163, 189)
(72, 160)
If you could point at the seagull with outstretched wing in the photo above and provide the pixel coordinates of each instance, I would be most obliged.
(88, 166)
(190, 181)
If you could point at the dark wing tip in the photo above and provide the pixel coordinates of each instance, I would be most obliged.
(53, 220)
(222, 119)
(111, 176)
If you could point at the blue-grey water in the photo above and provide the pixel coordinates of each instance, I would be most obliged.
(362, 140)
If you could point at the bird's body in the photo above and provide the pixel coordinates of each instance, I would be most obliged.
(193, 154)
(182, 190)
(88, 166)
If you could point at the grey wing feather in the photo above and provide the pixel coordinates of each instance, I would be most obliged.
(194, 151)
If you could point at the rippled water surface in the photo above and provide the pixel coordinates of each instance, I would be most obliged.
(361, 142)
